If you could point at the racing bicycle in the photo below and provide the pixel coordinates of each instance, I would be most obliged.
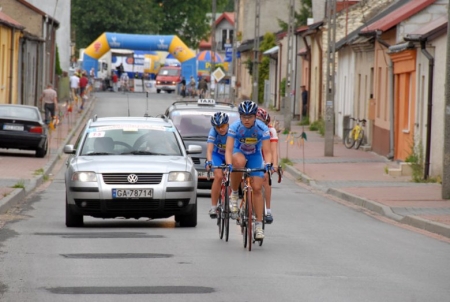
(246, 218)
(223, 204)
(355, 136)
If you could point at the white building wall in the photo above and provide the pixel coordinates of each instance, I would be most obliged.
(62, 15)
(345, 87)
(437, 130)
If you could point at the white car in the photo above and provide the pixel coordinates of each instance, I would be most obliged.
(131, 167)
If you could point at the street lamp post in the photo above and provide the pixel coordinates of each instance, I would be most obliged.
(256, 53)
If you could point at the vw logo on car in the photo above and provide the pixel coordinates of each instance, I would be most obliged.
(132, 178)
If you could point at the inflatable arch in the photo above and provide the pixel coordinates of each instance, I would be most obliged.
(172, 44)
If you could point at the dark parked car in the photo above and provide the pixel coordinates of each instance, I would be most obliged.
(22, 127)
(193, 121)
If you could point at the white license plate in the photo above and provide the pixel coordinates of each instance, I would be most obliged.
(132, 193)
(13, 127)
(205, 174)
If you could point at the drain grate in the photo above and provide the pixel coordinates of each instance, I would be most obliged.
(131, 290)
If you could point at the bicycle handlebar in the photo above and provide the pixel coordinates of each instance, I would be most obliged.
(208, 174)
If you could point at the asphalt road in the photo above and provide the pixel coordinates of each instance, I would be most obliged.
(317, 249)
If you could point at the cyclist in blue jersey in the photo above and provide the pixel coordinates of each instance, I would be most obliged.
(215, 155)
(247, 139)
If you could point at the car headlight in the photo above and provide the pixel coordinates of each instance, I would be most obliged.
(84, 176)
(180, 176)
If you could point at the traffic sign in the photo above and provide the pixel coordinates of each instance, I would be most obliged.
(218, 74)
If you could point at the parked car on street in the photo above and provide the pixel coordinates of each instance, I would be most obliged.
(22, 127)
(193, 121)
(130, 167)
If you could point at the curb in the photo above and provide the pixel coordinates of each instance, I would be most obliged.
(414, 221)
(19, 194)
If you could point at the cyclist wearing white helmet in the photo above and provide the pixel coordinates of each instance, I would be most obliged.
(215, 155)
(247, 139)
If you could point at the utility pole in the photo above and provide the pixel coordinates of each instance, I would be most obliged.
(330, 87)
(289, 70)
(256, 53)
(446, 159)
(234, 60)
(213, 47)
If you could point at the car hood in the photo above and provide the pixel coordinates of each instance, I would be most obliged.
(135, 163)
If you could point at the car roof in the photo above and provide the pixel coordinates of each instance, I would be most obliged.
(194, 105)
(106, 121)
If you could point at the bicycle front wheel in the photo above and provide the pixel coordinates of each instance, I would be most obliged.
(349, 140)
(360, 138)
(226, 214)
(249, 219)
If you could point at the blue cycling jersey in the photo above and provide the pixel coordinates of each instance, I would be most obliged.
(249, 140)
(218, 140)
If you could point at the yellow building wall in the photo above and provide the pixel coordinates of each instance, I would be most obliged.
(8, 75)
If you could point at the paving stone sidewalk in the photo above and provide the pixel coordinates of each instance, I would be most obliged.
(360, 177)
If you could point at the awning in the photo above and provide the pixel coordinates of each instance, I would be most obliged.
(271, 51)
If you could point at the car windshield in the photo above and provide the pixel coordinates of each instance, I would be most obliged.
(19, 112)
(169, 72)
(131, 140)
(196, 123)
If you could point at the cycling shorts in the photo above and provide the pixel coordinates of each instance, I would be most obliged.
(254, 161)
(217, 159)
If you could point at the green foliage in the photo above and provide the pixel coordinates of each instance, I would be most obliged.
(58, 69)
(39, 171)
(249, 66)
(415, 158)
(19, 185)
(301, 16)
(304, 121)
(318, 125)
(283, 87)
(268, 42)
(187, 19)
(286, 161)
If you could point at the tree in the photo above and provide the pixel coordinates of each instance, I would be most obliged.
(187, 19)
(267, 43)
(301, 17)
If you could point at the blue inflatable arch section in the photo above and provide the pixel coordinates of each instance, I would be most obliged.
(171, 44)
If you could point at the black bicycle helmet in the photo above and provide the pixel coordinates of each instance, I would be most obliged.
(248, 108)
(219, 118)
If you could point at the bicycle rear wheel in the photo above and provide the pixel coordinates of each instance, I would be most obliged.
(349, 140)
(226, 214)
(359, 139)
(220, 221)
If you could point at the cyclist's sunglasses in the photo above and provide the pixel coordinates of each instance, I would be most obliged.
(248, 117)
(221, 126)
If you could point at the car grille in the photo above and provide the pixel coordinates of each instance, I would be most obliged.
(196, 160)
(122, 178)
(132, 205)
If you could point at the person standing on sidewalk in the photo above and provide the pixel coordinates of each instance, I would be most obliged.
(83, 85)
(264, 116)
(50, 99)
(247, 139)
(74, 86)
(114, 79)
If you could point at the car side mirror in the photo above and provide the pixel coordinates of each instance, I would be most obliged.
(68, 149)
(194, 149)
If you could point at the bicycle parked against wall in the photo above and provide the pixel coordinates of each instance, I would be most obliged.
(355, 136)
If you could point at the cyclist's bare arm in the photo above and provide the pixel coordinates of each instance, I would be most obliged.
(209, 150)
(267, 150)
(229, 150)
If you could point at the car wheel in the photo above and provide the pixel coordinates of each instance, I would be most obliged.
(188, 220)
(72, 219)
(41, 152)
(158, 90)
